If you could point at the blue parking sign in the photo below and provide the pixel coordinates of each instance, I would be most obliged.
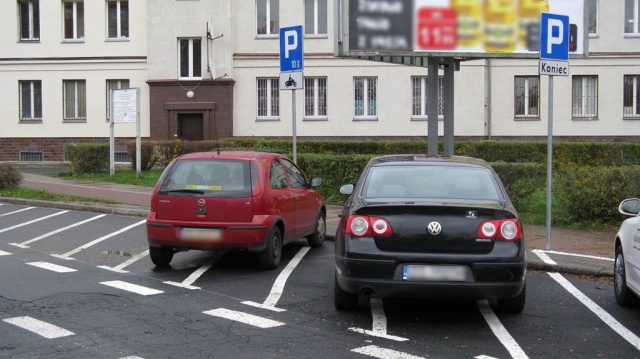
(291, 49)
(554, 37)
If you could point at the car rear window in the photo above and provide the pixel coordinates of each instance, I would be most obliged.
(214, 178)
(442, 182)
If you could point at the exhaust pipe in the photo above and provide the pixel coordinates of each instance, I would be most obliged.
(367, 292)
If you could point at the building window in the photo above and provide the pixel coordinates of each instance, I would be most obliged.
(73, 20)
(593, 17)
(268, 98)
(268, 18)
(631, 16)
(30, 100)
(75, 99)
(114, 85)
(315, 97)
(420, 97)
(365, 96)
(190, 62)
(527, 96)
(585, 96)
(631, 100)
(29, 20)
(315, 17)
(118, 19)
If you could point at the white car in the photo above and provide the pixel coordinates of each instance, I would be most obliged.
(626, 272)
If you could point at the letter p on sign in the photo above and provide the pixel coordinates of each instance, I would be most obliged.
(554, 37)
(290, 42)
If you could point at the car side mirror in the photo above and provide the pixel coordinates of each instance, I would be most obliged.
(316, 182)
(346, 189)
(630, 207)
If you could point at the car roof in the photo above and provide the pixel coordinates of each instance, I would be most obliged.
(427, 159)
(230, 155)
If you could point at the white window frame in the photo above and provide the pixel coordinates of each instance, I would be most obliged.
(632, 23)
(79, 100)
(269, 17)
(584, 97)
(632, 111)
(77, 21)
(268, 98)
(593, 4)
(420, 100)
(369, 87)
(114, 85)
(315, 95)
(192, 66)
(34, 99)
(527, 105)
(33, 19)
(118, 20)
(312, 26)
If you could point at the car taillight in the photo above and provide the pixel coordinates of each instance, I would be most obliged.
(505, 229)
(361, 226)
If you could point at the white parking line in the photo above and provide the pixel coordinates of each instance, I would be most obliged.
(134, 288)
(96, 241)
(625, 333)
(500, 331)
(52, 267)
(18, 211)
(544, 257)
(379, 325)
(575, 255)
(3, 253)
(245, 318)
(278, 285)
(382, 353)
(192, 278)
(25, 244)
(32, 221)
(39, 327)
(119, 267)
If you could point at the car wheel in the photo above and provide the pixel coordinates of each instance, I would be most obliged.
(317, 237)
(270, 258)
(515, 304)
(623, 295)
(161, 256)
(343, 300)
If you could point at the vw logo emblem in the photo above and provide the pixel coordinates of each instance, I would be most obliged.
(434, 228)
(201, 202)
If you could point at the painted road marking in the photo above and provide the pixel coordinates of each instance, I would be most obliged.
(192, 278)
(500, 331)
(26, 244)
(544, 257)
(3, 253)
(382, 353)
(575, 255)
(134, 288)
(39, 327)
(278, 285)
(245, 318)
(625, 333)
(52, 267)
(68, 255)
(379, 326)
(119, 267)
(18, 211)
(32, 221)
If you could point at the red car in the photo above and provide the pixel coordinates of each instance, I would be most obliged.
(251, 201)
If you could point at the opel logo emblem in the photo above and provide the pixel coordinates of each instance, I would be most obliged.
(201, 202)
(434, 228)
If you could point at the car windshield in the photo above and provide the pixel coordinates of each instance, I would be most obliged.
(219, 178)
(430, 181)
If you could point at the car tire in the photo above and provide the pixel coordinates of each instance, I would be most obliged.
(270, 258)
(319, 233)
(623, 295)
(344, 300)
(161, 256)
(515, 304)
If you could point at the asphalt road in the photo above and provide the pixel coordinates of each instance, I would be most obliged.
(80, 284)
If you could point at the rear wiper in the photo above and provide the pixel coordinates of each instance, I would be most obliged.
(184, 190)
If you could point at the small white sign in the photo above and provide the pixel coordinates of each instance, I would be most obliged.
(291, 80)
(553, 68)
(125, 105)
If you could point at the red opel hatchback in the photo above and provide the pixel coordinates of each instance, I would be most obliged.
(251, 201)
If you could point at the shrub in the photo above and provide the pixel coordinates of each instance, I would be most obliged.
(9, 176)
(88, 157)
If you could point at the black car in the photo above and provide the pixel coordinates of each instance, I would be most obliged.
(429, 227)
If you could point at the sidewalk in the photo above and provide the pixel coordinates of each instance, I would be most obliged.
(571, 251)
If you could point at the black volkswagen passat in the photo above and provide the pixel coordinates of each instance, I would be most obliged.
(429, 227)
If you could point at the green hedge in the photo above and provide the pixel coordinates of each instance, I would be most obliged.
(9, 176)
(88, 157)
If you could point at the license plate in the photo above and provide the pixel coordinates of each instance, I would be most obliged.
(451, 273)
(201, 234)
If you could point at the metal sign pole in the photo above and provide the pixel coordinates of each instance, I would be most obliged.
(293, 116)
(112, 167)
(549, 160)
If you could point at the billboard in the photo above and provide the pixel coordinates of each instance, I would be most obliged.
(460, 28)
